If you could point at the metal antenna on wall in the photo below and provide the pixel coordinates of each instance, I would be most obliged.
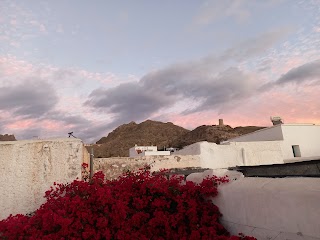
(71, 134)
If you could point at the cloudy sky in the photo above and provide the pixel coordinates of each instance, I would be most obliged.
(89, 66)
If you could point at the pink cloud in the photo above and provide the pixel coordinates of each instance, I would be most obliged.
(21, 124)
(293, 104)
(52, 125)
(12, 67)
(15, 69)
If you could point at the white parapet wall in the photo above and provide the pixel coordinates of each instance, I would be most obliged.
(157, 153)
(235, 153)
(28, 169)
(268, 208)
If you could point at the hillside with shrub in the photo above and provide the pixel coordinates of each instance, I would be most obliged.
(212, 133)
(147, 133)
(119, 141)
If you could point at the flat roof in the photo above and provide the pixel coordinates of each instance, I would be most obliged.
(273, 126)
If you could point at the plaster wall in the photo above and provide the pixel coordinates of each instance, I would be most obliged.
(268, 208)
(235, 153)
(114, 167)
(260, 153)
(28, 169)
(220, 156)
(306, 136)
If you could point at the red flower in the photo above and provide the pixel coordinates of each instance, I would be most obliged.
(138, 205)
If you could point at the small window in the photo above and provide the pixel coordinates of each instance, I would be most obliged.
(296, 150)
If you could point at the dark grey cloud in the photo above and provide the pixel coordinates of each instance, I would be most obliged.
(29, 99)
(309, 72)
(95, 131)
(128, 101)
(162, 89)
(3, 121)
(66, 118)
(306, 72)
(211, 81)
(82, 128)
(30, 133)
(212, 90)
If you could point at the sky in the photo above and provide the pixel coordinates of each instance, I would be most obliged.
(90, 66)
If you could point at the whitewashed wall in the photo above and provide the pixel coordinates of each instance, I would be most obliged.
(306, 136)
(235, 153)
(220, 156)
(260, 153)
(29, 168)
(157, 153)
(268, 208)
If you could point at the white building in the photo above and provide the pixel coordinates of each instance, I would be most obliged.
(296, 140)
(274, 145)
(139, 151)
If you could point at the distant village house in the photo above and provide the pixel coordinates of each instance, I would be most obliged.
(139, 151)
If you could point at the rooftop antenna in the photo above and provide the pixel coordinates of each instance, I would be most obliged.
(71, 134)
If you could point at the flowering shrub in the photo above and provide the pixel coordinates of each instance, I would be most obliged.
(135, 206)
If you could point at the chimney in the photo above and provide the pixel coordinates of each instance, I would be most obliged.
(276, 120)
(220, 122)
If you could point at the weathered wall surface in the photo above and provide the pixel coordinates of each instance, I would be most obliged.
(114, 167)
(260, 153)
(268, 208)
(306, 136)
(235, 153)
(86, 157)
(29, 168)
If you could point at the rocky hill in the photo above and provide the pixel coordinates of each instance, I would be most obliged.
(7, 137)
(118, 142)
(147, 133)
(212, 133)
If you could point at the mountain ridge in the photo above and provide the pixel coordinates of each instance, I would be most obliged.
(149, 132)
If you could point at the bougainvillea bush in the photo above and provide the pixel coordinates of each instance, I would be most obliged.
(137, 205)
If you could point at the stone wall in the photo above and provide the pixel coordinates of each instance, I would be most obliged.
(114, 167)
(28, 169)
(268, 208)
